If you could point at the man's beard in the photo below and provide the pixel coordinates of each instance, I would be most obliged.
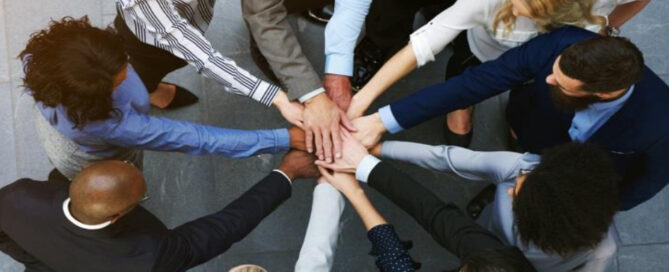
(571, 103)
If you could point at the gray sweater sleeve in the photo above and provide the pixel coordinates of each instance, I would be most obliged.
(494, 166)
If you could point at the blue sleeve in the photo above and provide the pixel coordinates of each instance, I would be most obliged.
(475, 84)
(341, 35)
(653, 179)
(389, 250)
(133, 129)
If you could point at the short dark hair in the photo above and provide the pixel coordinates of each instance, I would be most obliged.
(74, 64)
(509, 259)
(567, 203)
(603, 64)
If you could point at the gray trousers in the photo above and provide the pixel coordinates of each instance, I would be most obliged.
(66, 156)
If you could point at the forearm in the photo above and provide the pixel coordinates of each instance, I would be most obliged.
(341, 35)
(367, 212)
(163, 134)
(320, 240)
(447, 224)
(273, 34)
(205, 238)
(401, 64)
(623, 13)
(166, 26)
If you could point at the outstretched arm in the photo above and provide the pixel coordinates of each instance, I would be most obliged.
(205, 238)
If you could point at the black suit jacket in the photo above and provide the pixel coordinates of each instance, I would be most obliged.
(447, 224)
(34, 231)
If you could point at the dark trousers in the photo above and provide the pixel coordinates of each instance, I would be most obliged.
(462, 57)
(151, 63)
(390, 22)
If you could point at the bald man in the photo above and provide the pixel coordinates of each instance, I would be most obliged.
(95, 223)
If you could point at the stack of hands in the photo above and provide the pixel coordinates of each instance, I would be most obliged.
(330, 127)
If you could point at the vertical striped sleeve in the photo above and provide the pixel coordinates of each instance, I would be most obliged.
(161, 21)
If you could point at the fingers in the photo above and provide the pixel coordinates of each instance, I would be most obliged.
(326, 174)
(318, 139)
(347, 123)
(309, 140)
(328, 165)
(327, 144)
(336, 138)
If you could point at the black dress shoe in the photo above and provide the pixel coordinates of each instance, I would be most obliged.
(367, 61)
(260, 61)
(182, 98)
(461, 140)
(480, 201)
(320, 16)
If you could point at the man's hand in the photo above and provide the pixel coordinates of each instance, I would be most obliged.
(299, 164)
(291, 111)
(376, 150)
(322, 121)
(297, 139)
(343, 182)
(338, 88)
(370, 129)
(354, 152)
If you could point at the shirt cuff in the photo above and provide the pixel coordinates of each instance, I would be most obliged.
(284, 175)
(421, 49)
(281, 140)
(365, 167)
(264, 92)
(311, 95)
(389, 121)
(339, 64)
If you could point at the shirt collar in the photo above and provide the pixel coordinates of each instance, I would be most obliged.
(609, 104)
(68, 215)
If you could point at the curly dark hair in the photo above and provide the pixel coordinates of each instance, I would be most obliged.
(74, 64)
(509, 259)
(567, 203)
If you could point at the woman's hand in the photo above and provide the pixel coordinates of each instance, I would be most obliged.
(291, 111)
(353, 153)
(343, 182)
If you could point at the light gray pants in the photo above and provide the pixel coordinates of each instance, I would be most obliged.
(65, 155)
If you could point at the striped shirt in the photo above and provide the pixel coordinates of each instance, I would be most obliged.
(177, 26)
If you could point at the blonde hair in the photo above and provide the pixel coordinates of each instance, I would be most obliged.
(551, 14)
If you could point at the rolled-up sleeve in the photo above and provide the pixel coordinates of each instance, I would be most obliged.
(433, 37)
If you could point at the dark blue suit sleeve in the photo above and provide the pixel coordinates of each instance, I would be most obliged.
(205, 238)
(475, 84)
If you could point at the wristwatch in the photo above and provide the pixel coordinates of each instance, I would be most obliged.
(612, 31)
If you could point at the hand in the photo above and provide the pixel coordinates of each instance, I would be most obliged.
(297, 139)
(322, 121)
(291, 111)
(343, 182)
(354, 152)
(338, 88)
(376, 150)
(371, 129)
(357, 107)
(299, 164)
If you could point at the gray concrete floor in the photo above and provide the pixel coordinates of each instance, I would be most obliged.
(186, 187)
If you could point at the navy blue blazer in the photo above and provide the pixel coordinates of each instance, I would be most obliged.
(636, 137)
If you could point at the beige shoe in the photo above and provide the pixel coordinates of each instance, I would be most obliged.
(247, 268)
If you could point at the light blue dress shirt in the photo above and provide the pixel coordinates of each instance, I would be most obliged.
(583, 125)
(341, 35)
(132, 127)
(587, 121)
(501, 168)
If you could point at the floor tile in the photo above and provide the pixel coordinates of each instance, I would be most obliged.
(647, 258)
(7, 145)
(640, 225)
(4, 64)
(648, 30)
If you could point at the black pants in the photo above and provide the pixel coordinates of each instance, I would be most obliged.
(462, 57)
(390, 22)
(151, 63)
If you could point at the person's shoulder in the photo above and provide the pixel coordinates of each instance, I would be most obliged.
(570, 34)
(26, 188)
